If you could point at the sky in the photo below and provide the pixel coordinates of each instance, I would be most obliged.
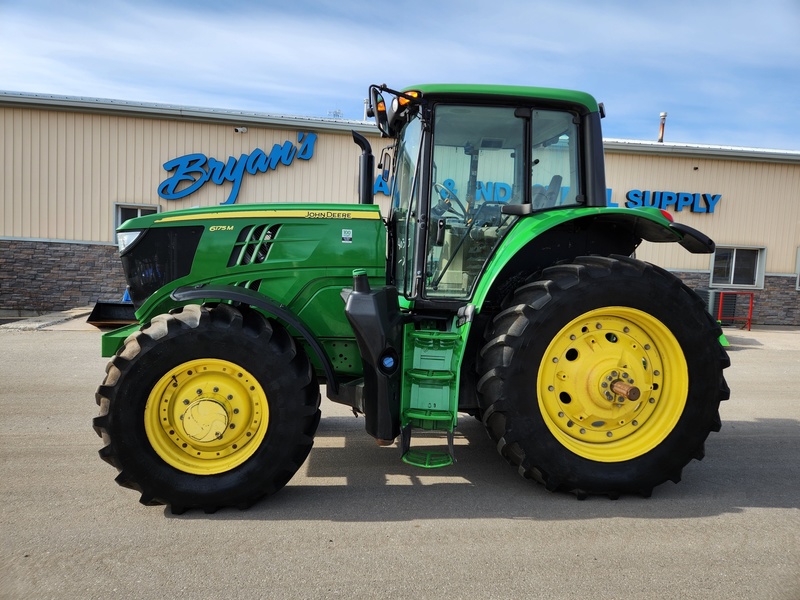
(727, 72)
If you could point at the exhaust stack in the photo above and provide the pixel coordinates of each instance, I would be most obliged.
(663, 116)
(366, 169)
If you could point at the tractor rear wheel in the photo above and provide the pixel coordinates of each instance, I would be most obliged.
(208, 407)
(603, 377)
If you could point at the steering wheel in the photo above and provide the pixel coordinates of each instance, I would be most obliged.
(446, 204)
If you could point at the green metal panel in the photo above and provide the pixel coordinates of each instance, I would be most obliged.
(111, 341)
(303, 266)
(516, 91)
(326, 242)
(534, 225)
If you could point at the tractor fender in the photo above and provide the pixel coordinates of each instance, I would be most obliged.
(267, 305)
(547, 237)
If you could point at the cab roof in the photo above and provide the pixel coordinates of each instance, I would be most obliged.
(510, 91)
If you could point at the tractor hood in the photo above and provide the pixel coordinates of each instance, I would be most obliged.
(258, 247)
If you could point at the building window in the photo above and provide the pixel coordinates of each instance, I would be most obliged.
(131, 211)
(738, 267)
(797, 270)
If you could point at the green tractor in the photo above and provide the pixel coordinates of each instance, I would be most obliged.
(500, 285)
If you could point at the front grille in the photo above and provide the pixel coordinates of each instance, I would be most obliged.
(159, 256)
(253, 245)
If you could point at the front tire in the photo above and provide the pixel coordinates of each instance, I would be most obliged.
(208, 407)
(603, 377)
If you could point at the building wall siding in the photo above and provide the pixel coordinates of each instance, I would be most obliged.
(760, 204)
(63, 172)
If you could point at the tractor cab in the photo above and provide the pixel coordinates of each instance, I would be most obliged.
(465, 170)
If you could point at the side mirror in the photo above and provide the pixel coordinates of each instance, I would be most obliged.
(378, 107)
(385, 164)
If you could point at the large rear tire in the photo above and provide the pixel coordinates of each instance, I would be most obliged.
(207, 408)
(603, 377)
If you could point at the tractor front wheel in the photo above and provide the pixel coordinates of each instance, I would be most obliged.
(603, 377)
(208, 407)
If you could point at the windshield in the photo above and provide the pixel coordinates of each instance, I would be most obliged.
(478, 166)
(404, 202)
(480, 159)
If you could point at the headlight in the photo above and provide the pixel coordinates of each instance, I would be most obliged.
(126, 238)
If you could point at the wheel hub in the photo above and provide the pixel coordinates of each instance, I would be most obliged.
(205, 420)
(616, 385)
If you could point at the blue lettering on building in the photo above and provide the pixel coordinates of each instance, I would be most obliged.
(501, 192)
(382, 186)
(192, 171)
(492, 191)
(678, 201)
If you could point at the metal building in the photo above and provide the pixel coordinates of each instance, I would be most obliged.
(72, 169)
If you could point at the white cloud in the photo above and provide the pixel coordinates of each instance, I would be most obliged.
(707, 62)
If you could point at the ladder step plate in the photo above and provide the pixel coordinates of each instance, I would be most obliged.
(428, 415)
(427, 460)
(432, 334)
(430, 376)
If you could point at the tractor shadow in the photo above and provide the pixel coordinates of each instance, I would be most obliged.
(347, 478)
(739, 342)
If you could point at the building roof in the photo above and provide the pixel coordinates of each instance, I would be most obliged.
(221, 115)
(178, 112)
(701, 150)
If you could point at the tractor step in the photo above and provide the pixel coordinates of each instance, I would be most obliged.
(430, 393)
(426, 459)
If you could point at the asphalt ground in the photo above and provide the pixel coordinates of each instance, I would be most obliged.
(356, 522)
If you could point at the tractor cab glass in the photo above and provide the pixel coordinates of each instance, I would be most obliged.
(478, 166)
(480, 157)
(404, 202)
(554, 160)
(476, 162)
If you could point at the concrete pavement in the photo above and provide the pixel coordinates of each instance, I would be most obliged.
(356, 522)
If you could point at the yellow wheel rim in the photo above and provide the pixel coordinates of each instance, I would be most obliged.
(579, 384)
(206, 416)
